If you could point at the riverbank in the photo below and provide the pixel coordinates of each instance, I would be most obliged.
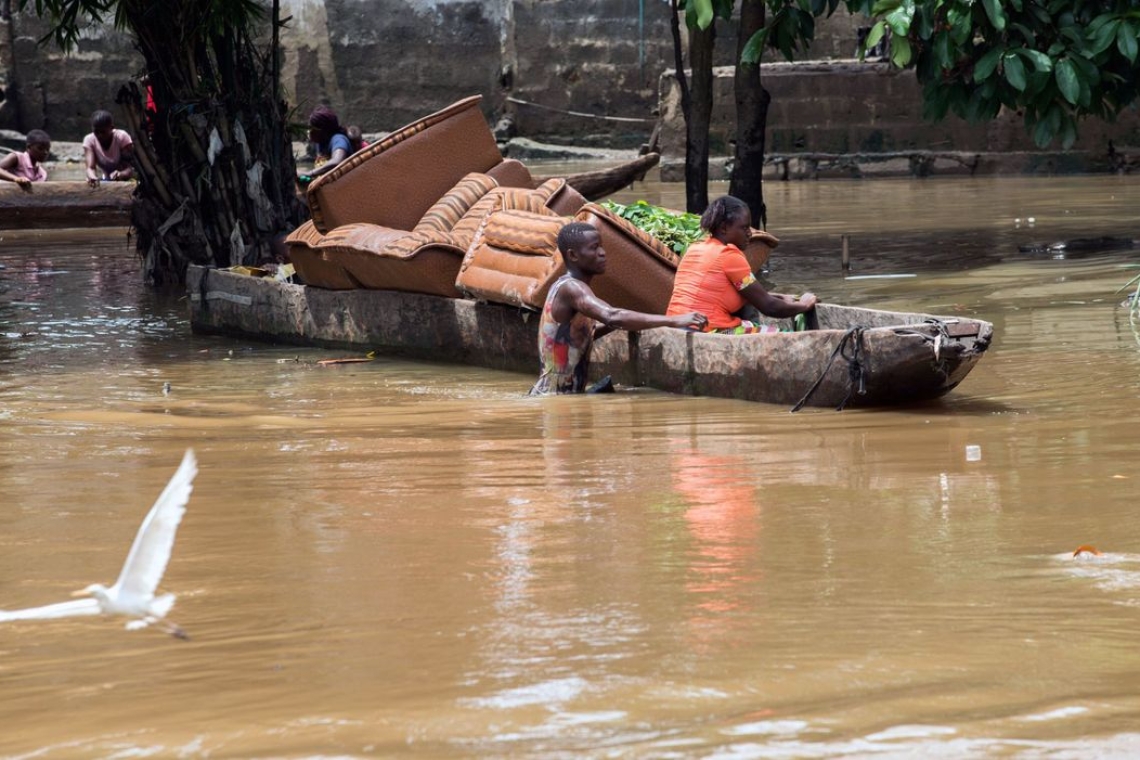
(67, 162)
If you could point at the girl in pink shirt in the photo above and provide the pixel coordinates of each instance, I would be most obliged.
(26, 168)
(107, 151)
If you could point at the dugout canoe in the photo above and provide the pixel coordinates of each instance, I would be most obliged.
(65, 204)
(602, 183)
(856, 357)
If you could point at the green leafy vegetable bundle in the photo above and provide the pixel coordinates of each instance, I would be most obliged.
(676, 230)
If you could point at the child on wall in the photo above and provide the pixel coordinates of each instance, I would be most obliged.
(108, 152)
(27, 167)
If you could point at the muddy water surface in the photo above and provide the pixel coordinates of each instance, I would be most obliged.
(408, 559)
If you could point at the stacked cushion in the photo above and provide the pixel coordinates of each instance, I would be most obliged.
(456, 202)
(513, 258)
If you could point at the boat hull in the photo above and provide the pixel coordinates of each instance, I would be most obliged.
(901, 357)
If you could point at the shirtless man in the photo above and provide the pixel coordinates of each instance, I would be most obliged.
(571, 316)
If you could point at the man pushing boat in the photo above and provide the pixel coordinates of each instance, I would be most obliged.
(573, 316)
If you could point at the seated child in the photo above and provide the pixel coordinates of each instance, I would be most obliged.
(27, 167)
(107, 151)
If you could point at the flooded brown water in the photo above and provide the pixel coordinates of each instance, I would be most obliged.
(397, 558)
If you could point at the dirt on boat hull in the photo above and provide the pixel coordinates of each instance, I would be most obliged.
(892, 357)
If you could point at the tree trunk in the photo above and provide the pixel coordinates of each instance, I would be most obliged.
(701, 42)
(751, 119)
(216, 171)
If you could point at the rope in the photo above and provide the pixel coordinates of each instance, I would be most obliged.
(580, 113)
(850, 347)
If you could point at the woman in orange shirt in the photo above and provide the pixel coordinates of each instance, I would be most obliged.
(715, 279)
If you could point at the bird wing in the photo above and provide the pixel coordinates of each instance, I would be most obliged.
(63, 609)
(151, 550)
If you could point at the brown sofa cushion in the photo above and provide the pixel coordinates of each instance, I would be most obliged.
(456, 202)
(405, 246)
(372, 256)
(522, 199)
(566, 201)
(514, 258)
(502, 197)
(511, 173)
(310, 262)
(534, 233)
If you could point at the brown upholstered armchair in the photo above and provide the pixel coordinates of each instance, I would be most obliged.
(400, 214)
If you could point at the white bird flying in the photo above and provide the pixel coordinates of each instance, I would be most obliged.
(133, 593)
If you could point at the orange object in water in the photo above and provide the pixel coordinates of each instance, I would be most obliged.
(1086, 548)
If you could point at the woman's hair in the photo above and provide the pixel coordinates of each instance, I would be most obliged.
(101, 119)
(325, 119)
(37, 137)
(724, 209)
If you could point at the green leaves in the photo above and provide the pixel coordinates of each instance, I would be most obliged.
(900, 19)
(789, 30)
(699, 13)
(874, 35)
(1057, 61)
(1126, 41)
(900, 52)
(1067, 80)
(676, 230)
(1039, 60)
(1014, 71)
(1103, 34)
(986, 65)
(995, 13)
(754, 48)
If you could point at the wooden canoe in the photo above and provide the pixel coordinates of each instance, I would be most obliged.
(856, 357)
(65, 204)
(601, 183)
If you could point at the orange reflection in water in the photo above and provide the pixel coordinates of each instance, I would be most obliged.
(723, 520)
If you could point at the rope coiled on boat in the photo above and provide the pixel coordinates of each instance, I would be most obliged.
(850, 348)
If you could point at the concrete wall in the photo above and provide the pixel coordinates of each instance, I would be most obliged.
(854, 107)
(48, 90)
(383, 63)
(554, 66)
